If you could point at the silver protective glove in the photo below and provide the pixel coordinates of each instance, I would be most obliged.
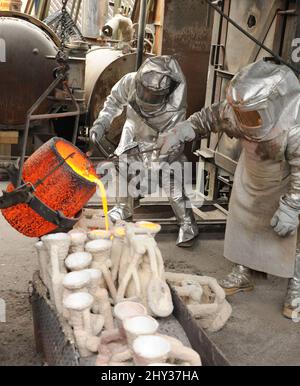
(170, 141)
(286, 220)
(99, 129)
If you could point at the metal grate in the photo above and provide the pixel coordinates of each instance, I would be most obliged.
(51, 340)
(55, 6)
(71, 30)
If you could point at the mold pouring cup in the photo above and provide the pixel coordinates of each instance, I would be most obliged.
(125, 310)
(149, 349)
(139, 326)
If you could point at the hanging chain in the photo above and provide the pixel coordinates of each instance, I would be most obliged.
(63, 23)
(61, 56)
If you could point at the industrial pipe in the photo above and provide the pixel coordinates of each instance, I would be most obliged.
(119, 23)
(141, 33)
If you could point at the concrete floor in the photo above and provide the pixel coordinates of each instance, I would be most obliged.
(256, 334)
(17, 264)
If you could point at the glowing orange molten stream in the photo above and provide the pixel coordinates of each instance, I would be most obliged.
(81, 167)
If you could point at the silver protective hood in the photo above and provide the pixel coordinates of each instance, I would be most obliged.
(142, 129)
(162, 77)
(265, 93)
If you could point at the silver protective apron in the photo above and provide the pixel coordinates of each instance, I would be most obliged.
(260, 181)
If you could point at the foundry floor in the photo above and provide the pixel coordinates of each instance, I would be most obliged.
(256, 334)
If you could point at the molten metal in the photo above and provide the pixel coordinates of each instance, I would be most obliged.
(83, 169)
(66, 190)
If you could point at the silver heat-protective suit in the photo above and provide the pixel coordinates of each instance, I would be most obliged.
(262, 110)
(156, 101)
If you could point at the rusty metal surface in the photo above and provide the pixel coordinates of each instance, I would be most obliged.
(263, 27)
(231, 51)
(34, 21)
(187, 34)
(25, 71)
(292, 31)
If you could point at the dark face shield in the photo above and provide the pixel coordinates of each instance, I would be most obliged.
(149, 96)
(249, 119)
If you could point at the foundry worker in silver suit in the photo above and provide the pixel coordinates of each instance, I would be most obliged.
(156, 101)
(262, 110)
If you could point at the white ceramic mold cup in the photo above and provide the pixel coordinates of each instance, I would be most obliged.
(125, 310)
(145, 227)
(78, 239)
(78, 261)
(138, 326)
(77, 280)
(99, 234)
(150, 349)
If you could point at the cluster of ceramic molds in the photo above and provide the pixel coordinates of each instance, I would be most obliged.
(138, 268)
(136, 341)
(69, 268)
(87, 272)
(91, 219)
(204, 297)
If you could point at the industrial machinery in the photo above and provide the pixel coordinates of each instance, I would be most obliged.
(27, 47)
(41, 109)
(35, 96)
(26, 80)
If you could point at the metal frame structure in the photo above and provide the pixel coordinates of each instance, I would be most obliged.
(274, 29)
(31, 117)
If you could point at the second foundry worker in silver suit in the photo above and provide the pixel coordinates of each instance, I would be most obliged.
(156, 101)
(262, 109)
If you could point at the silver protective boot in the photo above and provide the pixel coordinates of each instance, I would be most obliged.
(121, 212)
(181, 206)
(188, 233)
(189, 230)
(239, 280)
(292, 299)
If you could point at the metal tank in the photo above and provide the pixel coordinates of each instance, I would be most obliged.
(104, 68)
(25, 67)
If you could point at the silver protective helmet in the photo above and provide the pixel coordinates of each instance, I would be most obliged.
(261, 95)
(155, 81)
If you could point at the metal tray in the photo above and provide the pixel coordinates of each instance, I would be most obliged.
(54, 340)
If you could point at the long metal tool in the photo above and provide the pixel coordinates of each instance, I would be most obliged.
(114, 156)
(260, 44)
(100, 147)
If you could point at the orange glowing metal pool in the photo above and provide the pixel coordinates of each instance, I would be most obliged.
(148, 226)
